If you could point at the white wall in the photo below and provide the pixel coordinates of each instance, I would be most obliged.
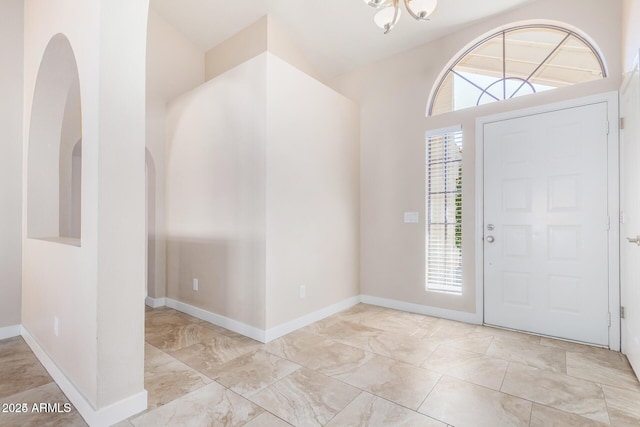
(216, 194)
(174, 66)
(97, 290)
(58, 280)
(312, 194)
(393, 95)
(262, 194)
(11, 101)
(630, 32)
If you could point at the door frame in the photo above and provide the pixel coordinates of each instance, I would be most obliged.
(613, 202)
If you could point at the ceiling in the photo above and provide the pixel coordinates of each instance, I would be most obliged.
(336, 35)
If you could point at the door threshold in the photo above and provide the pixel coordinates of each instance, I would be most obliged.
(547, 336)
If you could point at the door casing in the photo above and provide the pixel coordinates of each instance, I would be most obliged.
(613, 187)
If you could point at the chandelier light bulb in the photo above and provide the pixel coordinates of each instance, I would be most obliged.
(386, 18)
(420, 9)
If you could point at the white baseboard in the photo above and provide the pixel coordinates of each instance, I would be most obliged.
(104, 417)
(219, 320)
(257, 333)
(10, 332)
(459, 316)
(285, 328)
(155, 302)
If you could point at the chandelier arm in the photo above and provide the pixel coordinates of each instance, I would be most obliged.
(379, 4)
(412, 13)
(396, 16)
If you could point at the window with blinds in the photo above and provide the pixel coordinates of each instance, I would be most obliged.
(444, 211)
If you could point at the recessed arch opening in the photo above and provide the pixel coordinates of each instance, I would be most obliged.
(151, 232)
(54, 186)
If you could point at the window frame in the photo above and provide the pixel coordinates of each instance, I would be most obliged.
(465, 52)
(456, 132)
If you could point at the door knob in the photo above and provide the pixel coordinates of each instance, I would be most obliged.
(491, 239)
(635, 240)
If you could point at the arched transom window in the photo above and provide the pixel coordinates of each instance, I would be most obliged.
(515, 62)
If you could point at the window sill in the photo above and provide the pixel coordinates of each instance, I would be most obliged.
(71, 241)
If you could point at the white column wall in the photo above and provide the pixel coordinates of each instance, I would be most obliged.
(121, 194)
(313, 194)
(263, 195)
(96, 290)
(61, 280)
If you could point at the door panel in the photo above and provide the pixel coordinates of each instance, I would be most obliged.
(630, 216)
(546, 224)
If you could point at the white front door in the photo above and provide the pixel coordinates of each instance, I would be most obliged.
(546, 224)
(630, 217)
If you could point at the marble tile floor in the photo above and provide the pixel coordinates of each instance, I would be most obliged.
(24, 383)
(366, 366)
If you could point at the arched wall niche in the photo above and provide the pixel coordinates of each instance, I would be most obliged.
(55, 148)
(71, 190)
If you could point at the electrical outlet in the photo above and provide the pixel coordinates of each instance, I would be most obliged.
(195, 284)
(56, 325)
(302, 292)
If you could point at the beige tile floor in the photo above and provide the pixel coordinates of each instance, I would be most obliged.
(367, 366)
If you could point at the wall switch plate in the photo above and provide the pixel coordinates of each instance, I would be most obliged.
(56, 325)
(195, 284)
(411, 217)
(302, 292)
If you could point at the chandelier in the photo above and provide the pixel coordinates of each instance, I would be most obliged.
(389, 11)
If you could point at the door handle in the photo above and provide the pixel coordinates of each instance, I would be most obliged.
(491, 239)
(635, 240)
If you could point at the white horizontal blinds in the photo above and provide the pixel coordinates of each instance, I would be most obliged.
(444, 211)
